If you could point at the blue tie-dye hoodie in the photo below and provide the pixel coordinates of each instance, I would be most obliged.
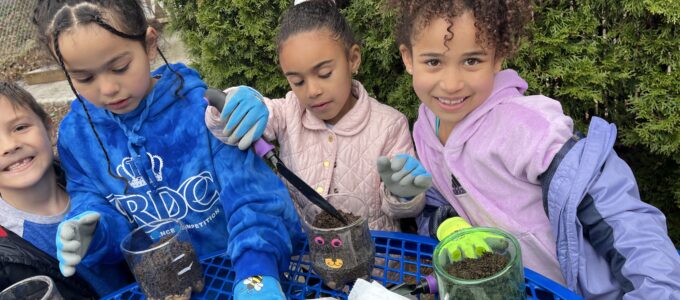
(229, 199)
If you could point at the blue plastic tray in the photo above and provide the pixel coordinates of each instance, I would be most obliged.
(413, 252)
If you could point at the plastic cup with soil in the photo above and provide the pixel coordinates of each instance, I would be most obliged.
(33, 288)
(339, 253)
(163, 260)
(496, 274)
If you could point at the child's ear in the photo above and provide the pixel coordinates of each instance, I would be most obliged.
(406, 58)
(498, 64)
(355, 58)
(151, 42)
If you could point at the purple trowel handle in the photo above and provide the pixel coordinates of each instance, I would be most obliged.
(262, 147)
(432, 284)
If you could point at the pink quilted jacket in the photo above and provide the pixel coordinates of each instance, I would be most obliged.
(342, 159)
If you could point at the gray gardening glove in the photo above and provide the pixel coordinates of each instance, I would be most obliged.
(404, 176)
(73, 238)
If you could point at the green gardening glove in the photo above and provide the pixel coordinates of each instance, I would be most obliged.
(471, 245)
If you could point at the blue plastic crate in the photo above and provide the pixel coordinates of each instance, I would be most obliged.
(412, 254)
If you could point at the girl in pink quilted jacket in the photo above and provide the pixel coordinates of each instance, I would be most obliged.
(331, 133)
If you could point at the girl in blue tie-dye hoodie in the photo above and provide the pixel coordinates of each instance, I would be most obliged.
(135, 149)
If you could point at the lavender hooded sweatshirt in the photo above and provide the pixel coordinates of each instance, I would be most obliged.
(489, 167)
(589, 215)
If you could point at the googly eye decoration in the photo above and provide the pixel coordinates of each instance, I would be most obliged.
(336, 243)
(319, 241)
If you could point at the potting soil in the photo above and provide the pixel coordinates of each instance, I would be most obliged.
(508, 286)
(484, 266)
(171, 272)
(325, 220)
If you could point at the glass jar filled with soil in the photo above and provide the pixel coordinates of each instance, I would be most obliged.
(163, 260)
(495, 273)
(340, 253)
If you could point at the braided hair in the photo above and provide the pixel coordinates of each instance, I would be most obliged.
(123, 18)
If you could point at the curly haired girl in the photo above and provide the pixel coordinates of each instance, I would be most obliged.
(503, 159)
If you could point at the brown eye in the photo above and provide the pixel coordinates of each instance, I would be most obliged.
(21, 127)
(472, 61)
(433, 62)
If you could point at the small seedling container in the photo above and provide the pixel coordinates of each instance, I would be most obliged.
(163, 260)
(507, 283)
(340, 254)
(33, 288)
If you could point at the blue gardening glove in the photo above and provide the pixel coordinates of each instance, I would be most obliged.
(404, 176)
(258, 288)
(73, 238)
(471, 245)
(242, 120)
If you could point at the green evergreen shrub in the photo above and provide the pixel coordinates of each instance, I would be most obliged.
(619, 59)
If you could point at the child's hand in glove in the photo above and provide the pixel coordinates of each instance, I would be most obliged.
(73, 239)
(243, 119)
(258, 288)
(404, 176)
(471, 245)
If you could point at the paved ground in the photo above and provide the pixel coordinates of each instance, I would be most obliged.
(59, 91)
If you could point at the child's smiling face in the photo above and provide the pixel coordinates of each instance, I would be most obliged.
(109, 71)
(25, 148)
(451, 77)
(319, 70)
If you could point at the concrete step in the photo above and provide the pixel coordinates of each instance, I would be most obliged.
(46, 74)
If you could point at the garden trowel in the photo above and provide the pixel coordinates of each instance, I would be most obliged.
(265, 150)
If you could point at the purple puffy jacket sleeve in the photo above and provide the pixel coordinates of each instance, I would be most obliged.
(630, 234)
(610, 244)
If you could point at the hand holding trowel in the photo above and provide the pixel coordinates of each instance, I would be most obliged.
(247, 123)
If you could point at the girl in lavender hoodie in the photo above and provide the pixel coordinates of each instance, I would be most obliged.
(330, 131)
(502, 159)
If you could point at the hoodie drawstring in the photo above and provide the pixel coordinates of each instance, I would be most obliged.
(135, 141)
